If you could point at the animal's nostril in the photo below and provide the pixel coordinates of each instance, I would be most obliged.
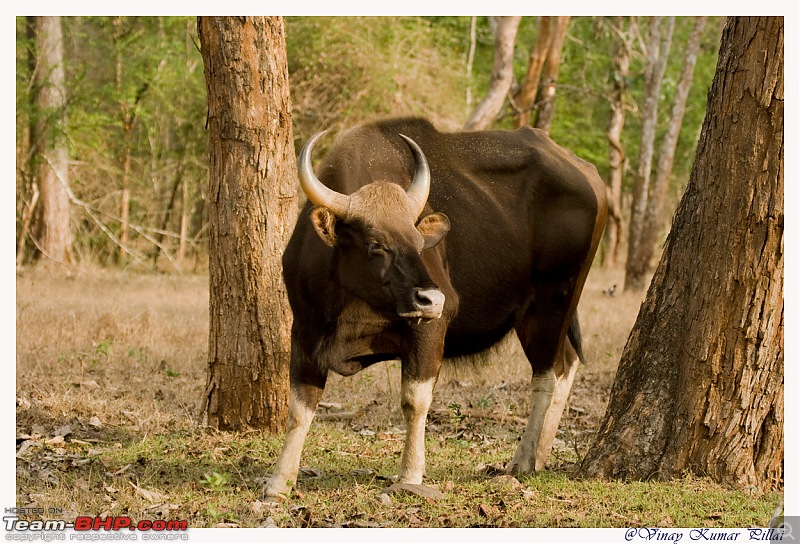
(422, 299)
(428, 298)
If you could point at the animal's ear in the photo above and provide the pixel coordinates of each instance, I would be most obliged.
(433, 227)
(324, 223)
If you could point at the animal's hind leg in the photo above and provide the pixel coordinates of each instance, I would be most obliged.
(565, 369)
(541, 333)
(542, 386)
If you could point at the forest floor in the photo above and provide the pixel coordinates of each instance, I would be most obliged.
(111, 368)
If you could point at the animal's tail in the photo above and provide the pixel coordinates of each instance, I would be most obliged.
(574, 336)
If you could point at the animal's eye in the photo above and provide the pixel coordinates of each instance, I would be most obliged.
(375, 247)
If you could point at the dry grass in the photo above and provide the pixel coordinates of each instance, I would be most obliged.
(112, 345)
(121, 359)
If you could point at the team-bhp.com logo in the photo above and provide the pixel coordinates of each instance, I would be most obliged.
(51, 528)
(86, 523)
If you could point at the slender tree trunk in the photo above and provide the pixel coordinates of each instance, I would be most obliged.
(616, 154)
(52, 222)
(700, 384)
(487, 109)
(125, 197)
(26, 167)
(653, 219)
(186, 203)
(30, 35)
(126, 119)
(658, 45)
(162, 227)
(253, 206)
(184, 230)
(27, 216)
(473, 40)
(546, 97)
(526, 97)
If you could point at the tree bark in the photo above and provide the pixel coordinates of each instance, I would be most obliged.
(700, 384)
(656, 63)
(621, 61)
(666, 155)
(52, 221)
(252, 208)
(526, 96)
(546, 97)
(487, 109)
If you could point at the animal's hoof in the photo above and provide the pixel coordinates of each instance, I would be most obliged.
(275, 492)
(519, 470)
(272, 495)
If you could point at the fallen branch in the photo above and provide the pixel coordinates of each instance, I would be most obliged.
(496, 417)
(475, 414)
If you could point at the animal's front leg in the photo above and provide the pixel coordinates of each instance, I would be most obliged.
(416, 400)
(307, 385)
(284, 473)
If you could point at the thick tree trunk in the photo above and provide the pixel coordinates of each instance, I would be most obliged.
(253, 206)
(52, 221)
(546, 97)
(700, 383)
(621, 60)
(487, 109)
(653, 219)
(526, 96)
(658, 45)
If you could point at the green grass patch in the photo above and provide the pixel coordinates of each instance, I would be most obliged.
(215, 478)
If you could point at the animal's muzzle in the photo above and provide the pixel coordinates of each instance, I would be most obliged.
(427, 304)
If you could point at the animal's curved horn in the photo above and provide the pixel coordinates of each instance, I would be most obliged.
(421, 186)
(314, 189)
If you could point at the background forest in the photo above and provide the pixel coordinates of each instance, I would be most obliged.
(136, 108)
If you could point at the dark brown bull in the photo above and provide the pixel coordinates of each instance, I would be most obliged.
(371, 277)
